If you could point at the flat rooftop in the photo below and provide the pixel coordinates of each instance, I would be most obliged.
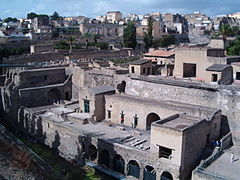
(180, 122)
(116, 133)
(223, 166)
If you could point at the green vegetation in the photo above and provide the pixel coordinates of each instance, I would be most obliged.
(101, 45)
(87, 36)
(62, 44)
(55, 16)
(164, 42)
(96, 37)
(225, 30)
(6, 52)
(234, 48)
(148, 37)
(71, 39)
(123, 61)
(9, 19)
(33, 15)
(129, 36)
(63, 170)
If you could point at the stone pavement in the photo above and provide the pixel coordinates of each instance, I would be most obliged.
(224, 167)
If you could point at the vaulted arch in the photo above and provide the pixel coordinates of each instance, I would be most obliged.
(152, 117)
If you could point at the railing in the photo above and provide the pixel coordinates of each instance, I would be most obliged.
(13, 139)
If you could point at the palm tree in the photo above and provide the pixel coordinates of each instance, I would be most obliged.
(71, 39)
(96, 37)
(87, 36)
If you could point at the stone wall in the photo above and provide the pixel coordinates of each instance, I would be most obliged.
(35, 58)
(40, 77)
(71, 144)
(225, 98)
(101, 54)
(40, 96)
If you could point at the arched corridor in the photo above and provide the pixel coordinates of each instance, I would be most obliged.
(133, 169)
(152, 117)
(149, 173)
(118, 164)
(104, 158)
(92, 152)
(166, 176)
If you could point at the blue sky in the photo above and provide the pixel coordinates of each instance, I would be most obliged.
(92, 8)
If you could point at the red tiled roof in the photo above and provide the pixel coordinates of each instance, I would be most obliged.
(160, 53)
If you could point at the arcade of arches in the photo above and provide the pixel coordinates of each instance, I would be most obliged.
(118, 164)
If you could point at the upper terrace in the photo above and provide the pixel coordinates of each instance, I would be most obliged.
(179, 122)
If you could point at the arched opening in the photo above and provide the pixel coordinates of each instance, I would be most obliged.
(133, 169)
(121, 87)
(152, 117)
(104, 158)
(166, 176)
(92, 152)
(54, 95)
(149, 173)
(118, 164)
(67, 94)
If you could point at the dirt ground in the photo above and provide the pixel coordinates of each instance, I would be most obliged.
(16, 165)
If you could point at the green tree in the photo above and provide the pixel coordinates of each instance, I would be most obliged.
(164, 42)
(225, 31)
(31, 15)
(234, 48)
(55, 16)
(96, 37)
(150, 28)
(236, 30)
(148, 37)
(62, 45)
(87, 36)
(129, 36)
(9, 19)
(71, 39)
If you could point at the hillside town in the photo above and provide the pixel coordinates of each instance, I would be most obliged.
(137, 96)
